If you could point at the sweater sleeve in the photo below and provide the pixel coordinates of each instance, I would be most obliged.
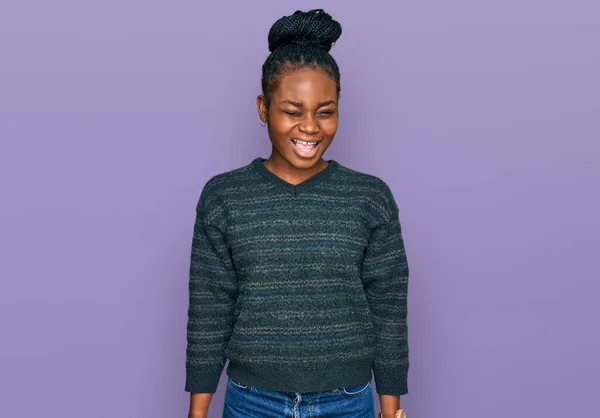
(212, 296)
(385, 272)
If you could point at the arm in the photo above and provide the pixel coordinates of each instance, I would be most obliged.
(385, 277)
(199, 403)
(212, 296)
(389, 405)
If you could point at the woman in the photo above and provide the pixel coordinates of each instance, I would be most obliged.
(298, 271)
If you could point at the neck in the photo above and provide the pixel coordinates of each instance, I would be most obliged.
(291, 173)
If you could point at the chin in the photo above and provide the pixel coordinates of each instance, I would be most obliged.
(304, 162)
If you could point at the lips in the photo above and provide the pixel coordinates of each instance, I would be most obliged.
(305, 147)
(295, 140)
(305, 150)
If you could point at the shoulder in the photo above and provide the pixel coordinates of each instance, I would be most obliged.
(219, 186)
(227, 180)
(372, 189)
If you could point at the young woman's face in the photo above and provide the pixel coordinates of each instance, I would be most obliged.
(304, 107)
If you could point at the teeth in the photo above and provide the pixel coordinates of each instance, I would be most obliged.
(304, 142)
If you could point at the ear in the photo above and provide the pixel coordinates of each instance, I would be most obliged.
(261, 106)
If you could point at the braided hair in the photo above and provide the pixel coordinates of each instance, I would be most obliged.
(300, 40)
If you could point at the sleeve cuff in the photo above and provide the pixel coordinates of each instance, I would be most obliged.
(391, 380)
(202, 379)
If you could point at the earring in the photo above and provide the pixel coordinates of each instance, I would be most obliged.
(263, 124)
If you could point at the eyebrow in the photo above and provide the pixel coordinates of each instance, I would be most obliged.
(298, 104)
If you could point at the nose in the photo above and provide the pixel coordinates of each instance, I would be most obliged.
(309, 125)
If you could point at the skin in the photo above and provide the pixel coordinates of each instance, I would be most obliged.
(304, 106)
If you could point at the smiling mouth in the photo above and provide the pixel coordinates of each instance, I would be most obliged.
(307, 144)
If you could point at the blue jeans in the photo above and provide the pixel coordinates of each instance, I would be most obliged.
(243, 401)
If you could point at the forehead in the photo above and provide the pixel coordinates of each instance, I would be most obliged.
(306, 85)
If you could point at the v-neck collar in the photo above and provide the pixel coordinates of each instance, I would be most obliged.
(293, 189)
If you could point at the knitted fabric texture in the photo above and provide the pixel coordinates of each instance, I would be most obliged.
(302, 287)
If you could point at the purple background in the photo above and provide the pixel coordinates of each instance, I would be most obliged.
(483, 117)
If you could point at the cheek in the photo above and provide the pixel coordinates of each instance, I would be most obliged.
(281, 125)
(329, 126)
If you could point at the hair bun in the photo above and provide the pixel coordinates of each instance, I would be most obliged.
(314, 28)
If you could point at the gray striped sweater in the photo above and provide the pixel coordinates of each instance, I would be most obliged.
(302, 287)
